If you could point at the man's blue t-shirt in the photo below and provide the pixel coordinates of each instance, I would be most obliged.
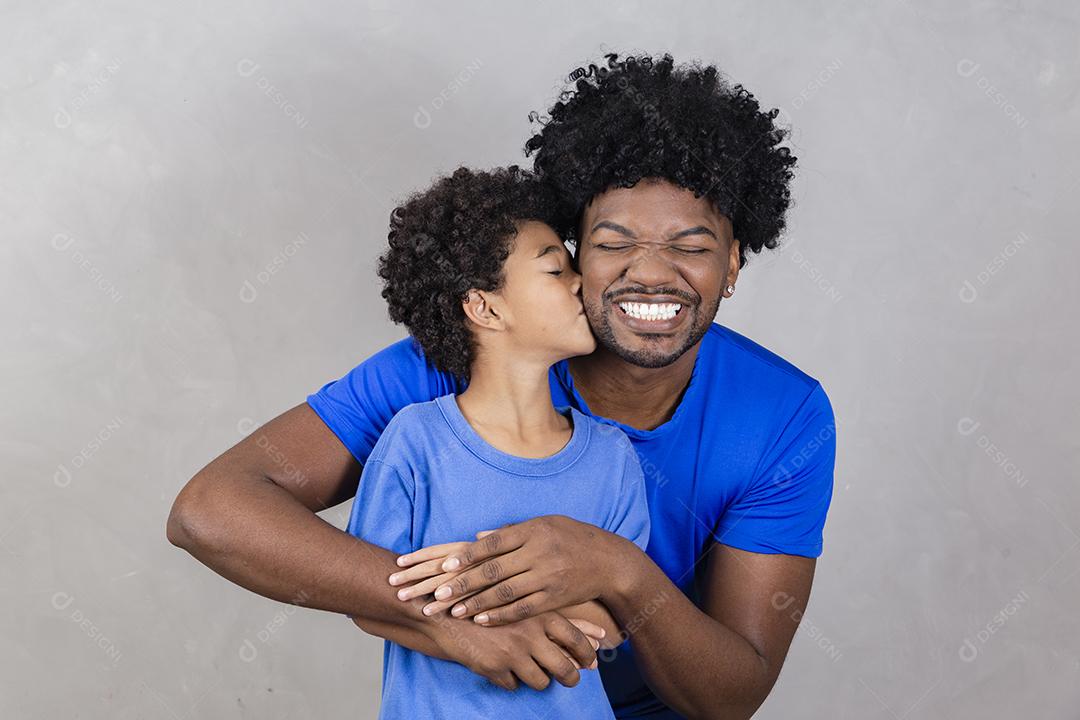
(746, 460)
(432, 479)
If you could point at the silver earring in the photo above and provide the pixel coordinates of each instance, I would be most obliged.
(730, 289)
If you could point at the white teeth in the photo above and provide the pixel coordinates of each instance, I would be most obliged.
(650, 311)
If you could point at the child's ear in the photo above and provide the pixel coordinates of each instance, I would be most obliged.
(478, 308)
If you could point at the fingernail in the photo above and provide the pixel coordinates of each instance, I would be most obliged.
(403, 594)
(458, 610)
(394, 579)
(443, 592)
(451, 564)
(401, 560)
(482, 618)
(428, 609)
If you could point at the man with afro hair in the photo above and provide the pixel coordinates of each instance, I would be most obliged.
(668, 178)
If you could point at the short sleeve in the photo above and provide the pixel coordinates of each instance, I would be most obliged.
(631, 516)
(783, 509)
(382, 510)
(358, 406)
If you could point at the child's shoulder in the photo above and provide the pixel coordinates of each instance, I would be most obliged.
(405, 428)
(611, 453)
(416, 412)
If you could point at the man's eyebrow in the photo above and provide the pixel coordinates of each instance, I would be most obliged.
(699, 230)
(613, 226)
(547, 250)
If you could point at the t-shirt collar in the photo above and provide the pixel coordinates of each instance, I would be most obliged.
(549, 465)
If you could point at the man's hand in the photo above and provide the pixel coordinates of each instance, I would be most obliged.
(527, 569)
(559, 644)
(423, 568)
(533, 651)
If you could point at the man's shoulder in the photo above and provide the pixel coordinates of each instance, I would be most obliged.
(750, 362)
(404, 351)
(398, 374)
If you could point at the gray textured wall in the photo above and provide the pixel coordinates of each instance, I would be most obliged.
(191, 203)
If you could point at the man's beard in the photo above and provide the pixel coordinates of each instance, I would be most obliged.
(648, 357)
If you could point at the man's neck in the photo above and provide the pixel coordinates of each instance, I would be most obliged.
(642, 398)
(509, 405)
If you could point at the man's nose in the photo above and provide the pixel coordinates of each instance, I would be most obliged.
(649, 267)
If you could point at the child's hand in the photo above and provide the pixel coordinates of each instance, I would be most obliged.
(424, 569)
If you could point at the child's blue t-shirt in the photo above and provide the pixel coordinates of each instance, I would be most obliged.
(431, 479)
(746, 460)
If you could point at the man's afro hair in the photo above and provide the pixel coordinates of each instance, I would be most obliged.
(640, 117)
(450, 238)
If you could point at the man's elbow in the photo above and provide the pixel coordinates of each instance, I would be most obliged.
(367, 626)
(176, 529)
(187, 517)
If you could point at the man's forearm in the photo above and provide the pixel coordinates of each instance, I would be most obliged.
(406, 636)
(696, 665)
(254, 533)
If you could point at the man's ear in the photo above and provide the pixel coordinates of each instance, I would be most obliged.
(481, 310)
(733, 264)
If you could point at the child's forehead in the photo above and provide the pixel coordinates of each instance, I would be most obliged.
(534, 238)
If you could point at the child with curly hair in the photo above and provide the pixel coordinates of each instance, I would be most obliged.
(487, 290)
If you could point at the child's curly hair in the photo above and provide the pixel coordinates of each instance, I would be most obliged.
(643, 117)
(450, 238)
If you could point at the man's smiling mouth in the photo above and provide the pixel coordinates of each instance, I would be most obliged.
(655, 311)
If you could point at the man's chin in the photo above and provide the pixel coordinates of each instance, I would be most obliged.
(648, 351)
